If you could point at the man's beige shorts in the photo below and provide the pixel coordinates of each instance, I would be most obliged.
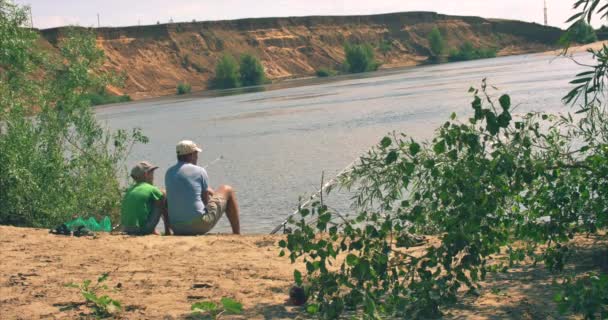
(215, 209)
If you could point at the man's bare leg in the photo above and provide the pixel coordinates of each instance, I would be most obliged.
(232, 207)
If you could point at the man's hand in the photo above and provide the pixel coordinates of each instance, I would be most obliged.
(207, 194)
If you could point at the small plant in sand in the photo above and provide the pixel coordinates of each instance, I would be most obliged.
(215, 311)
(102, 305)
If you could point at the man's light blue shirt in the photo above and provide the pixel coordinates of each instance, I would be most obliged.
(185, 184)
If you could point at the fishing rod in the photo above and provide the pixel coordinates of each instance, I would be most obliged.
(319, 192)
(213, 162)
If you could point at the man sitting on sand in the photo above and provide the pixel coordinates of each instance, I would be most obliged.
(195, 208)
(143, 204)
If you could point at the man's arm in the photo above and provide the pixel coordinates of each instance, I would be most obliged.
(207, 194)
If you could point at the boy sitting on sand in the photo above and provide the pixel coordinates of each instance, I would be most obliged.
(143, 204)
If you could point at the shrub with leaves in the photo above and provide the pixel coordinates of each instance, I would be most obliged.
(359, 58)
(468, 52)
(323, 73)
(57, 161)
(478, 187)
(226, 73)
(251, 71)
(588, 296)
(579, 32)
(436, 42)
(183, 88)
(215, 311)
(102, 305)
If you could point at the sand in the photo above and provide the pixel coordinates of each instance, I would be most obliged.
(160, 277)
(582, 48)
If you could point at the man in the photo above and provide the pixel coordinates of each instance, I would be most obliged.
(194, 207)
(143, 204)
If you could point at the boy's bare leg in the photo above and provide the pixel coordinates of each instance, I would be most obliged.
(232, 207)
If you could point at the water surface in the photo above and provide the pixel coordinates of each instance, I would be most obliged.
(276, 144)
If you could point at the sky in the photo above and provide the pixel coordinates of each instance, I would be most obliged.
(54, 13)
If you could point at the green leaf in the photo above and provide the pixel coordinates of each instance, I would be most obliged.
(558, 297)
(504, 119)
(576, 16)
(90, 297)
(414, 148)
(204, 306)
(505, 102)
(103, 277)
(391, 157)
(581, 80)
(352, 260)
(232, 306)
(312, 309)
(439, 147)
(297, 276)
(386, 142)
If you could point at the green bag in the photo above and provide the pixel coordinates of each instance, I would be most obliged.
(91, 224)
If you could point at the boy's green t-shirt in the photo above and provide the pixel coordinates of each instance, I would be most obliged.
(138, 204)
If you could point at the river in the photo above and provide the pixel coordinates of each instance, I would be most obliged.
(275, 144)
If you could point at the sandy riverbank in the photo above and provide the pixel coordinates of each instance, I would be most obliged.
(160, 277)
(582, 48)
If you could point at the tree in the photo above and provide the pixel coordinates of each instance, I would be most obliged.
(57, 161)
(495, 182)
(359, 58)
(436, 42)
(251, 71)
(226, 73)
(579, 32)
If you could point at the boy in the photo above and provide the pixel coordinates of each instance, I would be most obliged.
(143, 204)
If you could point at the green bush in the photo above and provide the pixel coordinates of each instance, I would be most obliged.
(359, 58)
(323, 72)
(436, 42)
(103, 97)
(183, 88)
(56, 160)
(226, 73)
(579, 32)
(251, 71)
(587, 295)
(468, 52)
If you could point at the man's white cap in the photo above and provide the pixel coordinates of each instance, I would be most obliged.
(185, 147)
